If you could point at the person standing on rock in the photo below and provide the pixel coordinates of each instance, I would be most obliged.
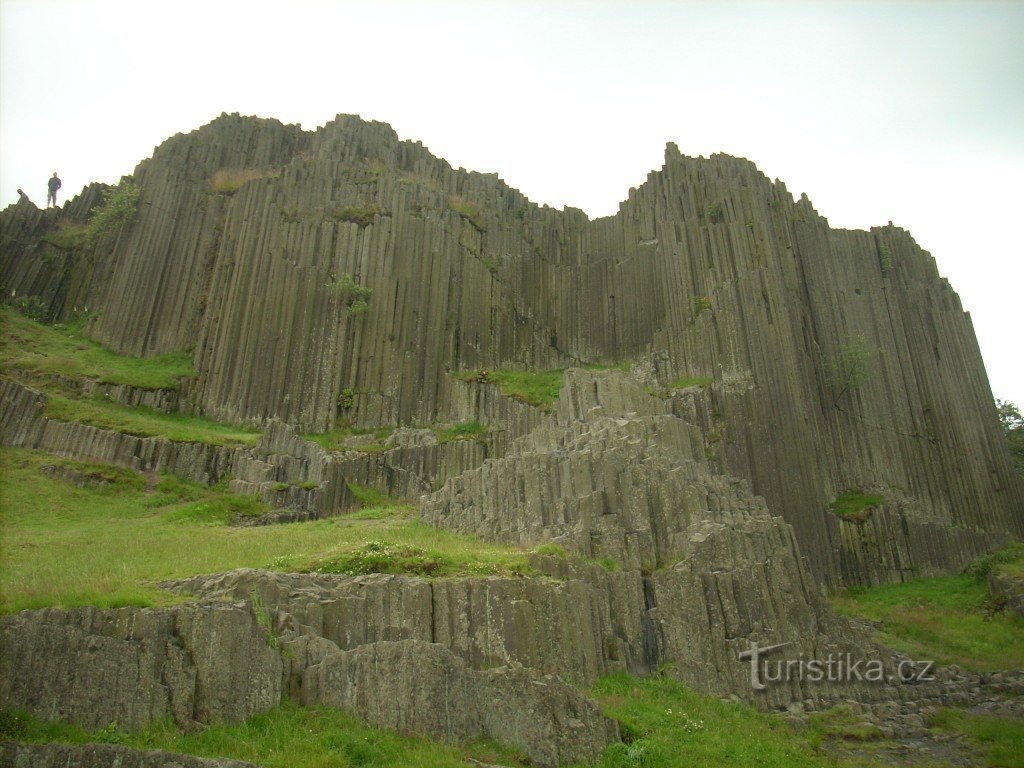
(52, 186)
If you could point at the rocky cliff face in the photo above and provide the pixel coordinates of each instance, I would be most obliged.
(708, 270)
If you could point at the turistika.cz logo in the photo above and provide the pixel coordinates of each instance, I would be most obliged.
(834, 668)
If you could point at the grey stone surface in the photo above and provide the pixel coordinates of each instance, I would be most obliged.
(1007, 589)
(134, 666)
(419, 687)
(709, 269)
(102, 756)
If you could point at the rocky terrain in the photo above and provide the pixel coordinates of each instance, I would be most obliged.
(734, 368)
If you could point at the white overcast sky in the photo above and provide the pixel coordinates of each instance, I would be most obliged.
(904, 111)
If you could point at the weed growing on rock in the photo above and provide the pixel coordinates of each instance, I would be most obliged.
(118, 210)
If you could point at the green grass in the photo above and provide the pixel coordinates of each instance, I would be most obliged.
(363, 215)
(68, 236)
(468, 210)
(107, 546)
(537, 388)
(468, 430)
(670, 726)
(37, 349)
(289, 736)
(947, 619)
(370, 497)
(693, 381)
(855, 505)
(335, 439)
(143, 421)
(1009, 561)
(1001, 739)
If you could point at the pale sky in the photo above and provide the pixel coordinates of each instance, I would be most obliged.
(904, 111)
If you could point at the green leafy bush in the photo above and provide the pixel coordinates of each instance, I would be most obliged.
(353, 296)
(885, 259)
(117, 210)
(701, 304)
(851, 366)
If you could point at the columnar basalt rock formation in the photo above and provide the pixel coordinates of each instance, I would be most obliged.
(708, 270)
(678, 491)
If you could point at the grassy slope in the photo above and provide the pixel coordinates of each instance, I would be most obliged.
(64, 545)
(39, 349)
(949, 620)
(38, 354)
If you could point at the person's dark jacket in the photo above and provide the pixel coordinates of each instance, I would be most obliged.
(53, 184)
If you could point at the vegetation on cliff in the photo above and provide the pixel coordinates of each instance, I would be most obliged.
(948, 619)
(35, 349)
(110, 534)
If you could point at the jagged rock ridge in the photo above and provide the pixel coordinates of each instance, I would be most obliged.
(708, 500)
(708, 270)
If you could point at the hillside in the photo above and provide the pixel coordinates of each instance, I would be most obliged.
(370, 433)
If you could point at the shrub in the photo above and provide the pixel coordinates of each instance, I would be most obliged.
(363, 215)
(851, 366)
(885, 259)
(701, 304)
(118, 209)
(716, 213)
(352, 295)
(32, 307)
(386, 557)
(347, 398)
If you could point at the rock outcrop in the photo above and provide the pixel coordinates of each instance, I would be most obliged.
(418, 687)
(682, 509)
(708, 270)
(101, 756)
(134, 666)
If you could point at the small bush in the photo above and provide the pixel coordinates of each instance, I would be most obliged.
(1012, 556)
(716, 213)
(363, 215)
(347, 398)
(701, 304)
(385, 557)
(32, 307)
(885, 259)
(851, 367)
(117, 210)
(353, 296)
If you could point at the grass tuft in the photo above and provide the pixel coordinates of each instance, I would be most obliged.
(693, 381)
(227, 181)
(536, 388)
(856, 505)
